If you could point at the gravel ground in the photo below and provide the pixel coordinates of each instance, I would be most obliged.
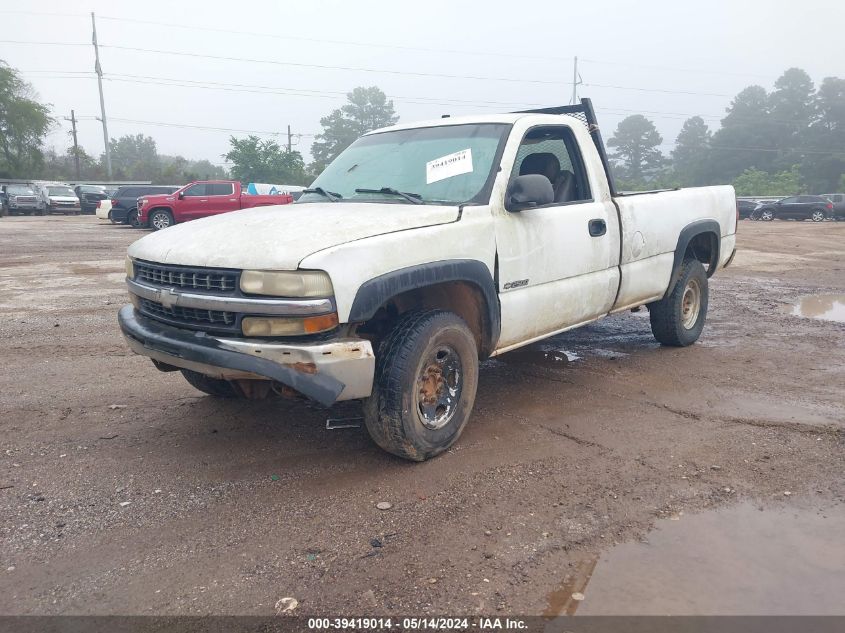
(124, 490)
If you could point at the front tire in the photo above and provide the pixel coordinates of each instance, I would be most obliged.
(211, 386)
(678, 319)
(424, 387)
(767, 215)
(160, 219)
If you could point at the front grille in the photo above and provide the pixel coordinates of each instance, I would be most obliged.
(191, 317)
(203, 279)
(25, 199)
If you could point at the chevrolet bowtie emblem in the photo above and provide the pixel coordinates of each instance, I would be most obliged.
(167, 297)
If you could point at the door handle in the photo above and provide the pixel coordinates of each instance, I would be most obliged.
(597, 228)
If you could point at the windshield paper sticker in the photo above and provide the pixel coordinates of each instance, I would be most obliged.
(448, 166)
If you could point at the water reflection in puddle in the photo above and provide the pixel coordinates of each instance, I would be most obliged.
(538, 356)
(736, 561)
(827, 307)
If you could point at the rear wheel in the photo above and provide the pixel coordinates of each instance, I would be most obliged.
(211, 386)
(818, 215)
(424, 387)
(111, 218)
(160, 219)
(678, 319)
(767, 215)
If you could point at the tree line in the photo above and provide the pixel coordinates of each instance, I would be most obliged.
(790, 140)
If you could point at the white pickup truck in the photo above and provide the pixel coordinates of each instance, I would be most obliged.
(421, 250)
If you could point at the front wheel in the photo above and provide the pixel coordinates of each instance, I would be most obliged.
(818, 215)
(425, 383)
(767, 215)
(160, 219)
(678, 319)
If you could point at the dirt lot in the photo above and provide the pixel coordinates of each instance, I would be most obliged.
(124, 490)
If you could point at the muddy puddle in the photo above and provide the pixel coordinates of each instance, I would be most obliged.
(736, 561)
(825, 307)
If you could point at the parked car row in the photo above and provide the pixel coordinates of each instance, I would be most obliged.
(158, 206)
(805, 207)
(41, 198)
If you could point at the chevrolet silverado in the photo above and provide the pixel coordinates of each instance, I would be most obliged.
(421, 250)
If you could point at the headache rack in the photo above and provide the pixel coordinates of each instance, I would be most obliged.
(585, 113)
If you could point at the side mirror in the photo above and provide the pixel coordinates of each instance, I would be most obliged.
(181, 195)
(530, 190)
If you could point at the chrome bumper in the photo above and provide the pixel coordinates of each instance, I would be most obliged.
(326, 372)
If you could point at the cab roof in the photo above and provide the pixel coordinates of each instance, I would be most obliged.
(508, 118)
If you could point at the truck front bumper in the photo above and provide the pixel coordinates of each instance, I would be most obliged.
(340, 369)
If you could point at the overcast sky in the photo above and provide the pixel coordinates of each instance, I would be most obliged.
(634, 57)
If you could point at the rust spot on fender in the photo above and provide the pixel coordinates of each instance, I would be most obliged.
(304, 368)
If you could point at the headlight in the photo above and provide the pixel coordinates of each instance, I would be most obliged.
(130, 268)
(286, 326)
(300, 283)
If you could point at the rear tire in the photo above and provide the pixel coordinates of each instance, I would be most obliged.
(424, 387)
(160, 219)
(818, 216)
(211, 386)
(767, 215)
(111, 219)
(678, 319)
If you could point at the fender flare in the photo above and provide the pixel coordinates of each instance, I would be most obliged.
(377, 291)
(694, 229)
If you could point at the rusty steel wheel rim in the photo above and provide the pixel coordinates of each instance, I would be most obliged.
(691, 304)
(439, 386)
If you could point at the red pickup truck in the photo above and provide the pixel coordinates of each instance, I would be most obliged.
(199, 200)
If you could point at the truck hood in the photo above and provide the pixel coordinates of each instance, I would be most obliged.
(279, 237)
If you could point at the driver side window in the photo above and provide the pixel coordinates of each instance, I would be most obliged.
(552, 151)
(195, 191)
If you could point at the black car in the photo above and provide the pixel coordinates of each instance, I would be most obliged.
(813, 208)
(838, 200)
(746, 208)
(89, 196)
(124, 203)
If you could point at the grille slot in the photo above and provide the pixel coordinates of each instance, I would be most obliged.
(202, 279)
(192, 317)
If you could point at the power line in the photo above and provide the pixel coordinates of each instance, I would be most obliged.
(325, 66)
(204, 127)
(296, 38)
(675, 68)
(391, 72)
(450, 51)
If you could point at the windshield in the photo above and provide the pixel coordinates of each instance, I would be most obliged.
(19, 191)
(451, 164)
(60, 191)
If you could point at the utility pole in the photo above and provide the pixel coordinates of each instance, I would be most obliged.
(98, 69)
(575, 82)
(72, 120)
(289, 139)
